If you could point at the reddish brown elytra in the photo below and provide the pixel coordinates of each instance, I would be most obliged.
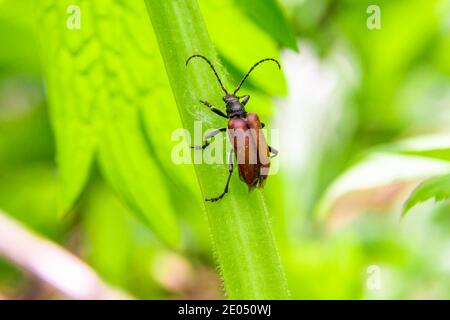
(244, 130)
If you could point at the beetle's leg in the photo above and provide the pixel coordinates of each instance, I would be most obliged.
(230, 172)
(208, 137)
(273, 151)
(214, 109)
(244, 99)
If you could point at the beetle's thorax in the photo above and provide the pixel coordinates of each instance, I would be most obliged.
(234, 106)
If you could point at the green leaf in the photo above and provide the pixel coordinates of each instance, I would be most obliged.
(239, 223)
(436, 187)
(406, 160)
(376, 170)
(101, 78)
(70, 107)
(269, 16)
(440, 154)
(435, 146)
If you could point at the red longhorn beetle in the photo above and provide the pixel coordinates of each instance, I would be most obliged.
(253, 173)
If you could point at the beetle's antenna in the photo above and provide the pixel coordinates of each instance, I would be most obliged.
(252, 68)
(212, 67)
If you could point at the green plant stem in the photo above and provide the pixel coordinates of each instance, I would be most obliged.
(243, 241)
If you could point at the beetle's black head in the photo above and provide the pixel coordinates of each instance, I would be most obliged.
(230, 98)
(234, 106)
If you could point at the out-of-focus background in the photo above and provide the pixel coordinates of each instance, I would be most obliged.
(363, 117)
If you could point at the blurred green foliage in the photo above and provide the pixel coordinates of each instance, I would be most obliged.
(399, 89)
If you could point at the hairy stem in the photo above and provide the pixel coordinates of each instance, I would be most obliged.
(239, 223)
